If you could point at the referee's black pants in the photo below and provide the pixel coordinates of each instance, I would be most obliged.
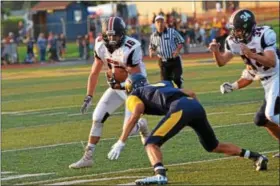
(172, 70)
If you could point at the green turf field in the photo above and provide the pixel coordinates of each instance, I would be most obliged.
(43, 131)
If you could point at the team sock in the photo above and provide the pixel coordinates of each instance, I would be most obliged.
(249, 154)
(159, 169)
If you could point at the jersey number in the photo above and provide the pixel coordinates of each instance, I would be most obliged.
(249, 62)
(257, 31)
(129, 44)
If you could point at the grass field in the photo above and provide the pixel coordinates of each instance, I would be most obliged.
(43, 132)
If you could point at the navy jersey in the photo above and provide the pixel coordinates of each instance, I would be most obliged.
(156, 97)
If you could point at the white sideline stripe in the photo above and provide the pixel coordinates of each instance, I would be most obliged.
(24, 176)
(107, 139)
(245, 114)
(7, 172)
(94, 180)
(137, 169)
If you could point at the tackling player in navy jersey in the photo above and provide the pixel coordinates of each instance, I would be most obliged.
(179, 110)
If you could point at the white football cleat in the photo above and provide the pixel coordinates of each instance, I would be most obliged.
(86, 160)
(157, 179)
(143, 129)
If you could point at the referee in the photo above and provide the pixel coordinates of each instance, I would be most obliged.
(167, 43)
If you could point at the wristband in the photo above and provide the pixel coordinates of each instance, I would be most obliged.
(235, 86)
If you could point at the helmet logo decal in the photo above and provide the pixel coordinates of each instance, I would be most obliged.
(245, 16)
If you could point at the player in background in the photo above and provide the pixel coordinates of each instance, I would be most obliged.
(257, 47)
(119, 52)
(179, 110)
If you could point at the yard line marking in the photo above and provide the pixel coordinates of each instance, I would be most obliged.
(245, 114)
(77, 114)
(216, 91)
(7, 172)
(136, 169)
(94, 180)
(41, 109)
(217, 113)
(115, 138)
(73, 106)
(131, 183)
(24, 176)
(23, 113)
(52, 114)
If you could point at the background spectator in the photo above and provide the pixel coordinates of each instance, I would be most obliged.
(30, 56)
(42, 46)
(80, 45)
(63, 46)
(21, 31)
(12, 48)
(86, 47)
(52, 48)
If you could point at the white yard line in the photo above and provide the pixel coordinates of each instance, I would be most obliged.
(41, 109)
(94, 180)
(53, 114)
(6, 172)
(71, 106)
(216, 113)
(216, 91)
(24, 176)
(246, 114)
(108, 139)
(136, 169)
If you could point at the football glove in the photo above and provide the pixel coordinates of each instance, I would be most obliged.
(116, 150)
(113, 83)
(226, 88)
(86, 104)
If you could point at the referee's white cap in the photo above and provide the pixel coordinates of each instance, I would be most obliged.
(159, 17)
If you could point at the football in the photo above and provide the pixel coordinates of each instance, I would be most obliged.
(120, 74)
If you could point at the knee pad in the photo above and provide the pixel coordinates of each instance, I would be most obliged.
(260, 119)
(96, 128)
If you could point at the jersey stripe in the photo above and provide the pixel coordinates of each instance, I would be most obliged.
(168, 124)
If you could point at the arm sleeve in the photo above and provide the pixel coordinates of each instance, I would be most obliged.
(178, 38)
(97, 49)
(135, 57)
(227, 46)
(268, 40)
(151, 44)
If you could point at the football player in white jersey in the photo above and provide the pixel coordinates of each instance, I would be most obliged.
(257, 47)
(115, 50)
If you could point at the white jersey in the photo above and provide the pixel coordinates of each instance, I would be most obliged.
(263, 39)
(129, 54)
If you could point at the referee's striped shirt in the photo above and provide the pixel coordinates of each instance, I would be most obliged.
(166, 42)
